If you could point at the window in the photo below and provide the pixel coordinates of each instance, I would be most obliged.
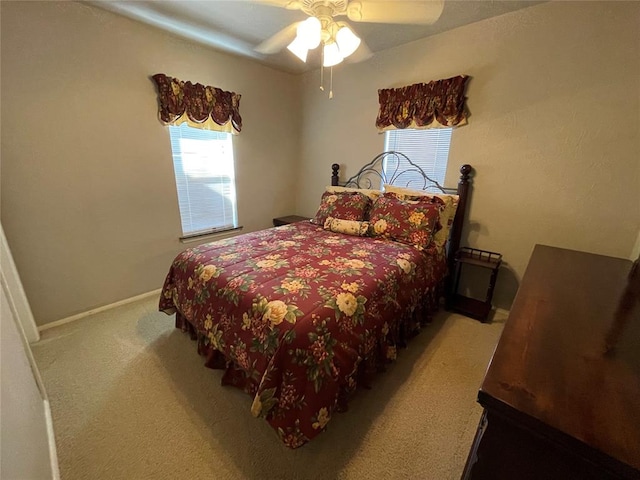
(205, 179)
(429, 149)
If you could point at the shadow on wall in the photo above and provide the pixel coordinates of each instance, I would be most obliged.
(507, 286)
(474, 281)
(473, 231)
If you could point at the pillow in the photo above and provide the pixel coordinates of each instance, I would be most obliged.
(348, 227)
(413, 222)
(344, 205)
(372, 194)
(446, 216)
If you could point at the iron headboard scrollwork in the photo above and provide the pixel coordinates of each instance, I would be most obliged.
(393, 168)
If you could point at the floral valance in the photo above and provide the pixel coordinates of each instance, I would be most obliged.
(200, 106)
(436, 104)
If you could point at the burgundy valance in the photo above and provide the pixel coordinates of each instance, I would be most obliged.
(200, 106)
(439, 103)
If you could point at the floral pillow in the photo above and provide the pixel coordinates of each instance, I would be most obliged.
(348, 227)
(343, 205)
(447, 214)
(413, 222)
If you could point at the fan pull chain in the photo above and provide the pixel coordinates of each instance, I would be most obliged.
(331, 83)
(322, 70)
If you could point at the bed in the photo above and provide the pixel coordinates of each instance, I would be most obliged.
(299, 316)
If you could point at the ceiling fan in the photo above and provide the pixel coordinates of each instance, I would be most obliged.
(337, 38)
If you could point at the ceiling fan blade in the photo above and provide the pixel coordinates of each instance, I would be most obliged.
(278, 41)
(415, 12)
(288, 4)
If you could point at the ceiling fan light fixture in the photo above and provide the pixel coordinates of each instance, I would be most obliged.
(347, 41)
(332, 55)
(299, 49)
(309, 32)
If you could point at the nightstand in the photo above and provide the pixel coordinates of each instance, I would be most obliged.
(289, 219)
(472, 307)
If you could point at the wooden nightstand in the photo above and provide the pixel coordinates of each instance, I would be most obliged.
(289, 219)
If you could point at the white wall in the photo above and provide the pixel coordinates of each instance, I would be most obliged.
(554, 131)
(89, 201)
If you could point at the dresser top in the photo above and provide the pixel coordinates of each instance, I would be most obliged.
(569, 355)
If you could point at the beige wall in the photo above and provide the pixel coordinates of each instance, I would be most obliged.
(88, 196)
(89, 202)
(554, 132)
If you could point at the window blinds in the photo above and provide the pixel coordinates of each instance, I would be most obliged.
(429, 149)
(205, 179)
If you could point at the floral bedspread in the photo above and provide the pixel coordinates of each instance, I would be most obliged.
(296, 314)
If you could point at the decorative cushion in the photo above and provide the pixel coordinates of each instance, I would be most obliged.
(348, 227)
(343, 205)
(372, 194)
(447, 214)
(413, 222)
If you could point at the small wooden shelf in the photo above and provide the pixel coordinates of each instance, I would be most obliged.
(481, 258)
(472, 307)
(289, 219)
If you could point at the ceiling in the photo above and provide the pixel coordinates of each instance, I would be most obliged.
(237, 27)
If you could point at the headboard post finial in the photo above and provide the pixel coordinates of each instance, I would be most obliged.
(334, 175)
(465, 171)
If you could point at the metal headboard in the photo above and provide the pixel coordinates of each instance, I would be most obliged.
(391, 168)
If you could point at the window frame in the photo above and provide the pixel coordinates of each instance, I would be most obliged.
(188, 167)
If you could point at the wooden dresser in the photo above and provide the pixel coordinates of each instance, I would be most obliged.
(561, 395)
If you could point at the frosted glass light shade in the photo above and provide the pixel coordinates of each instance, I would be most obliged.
(347, 41)
(309, 32)
(332, 55)
(299, 49)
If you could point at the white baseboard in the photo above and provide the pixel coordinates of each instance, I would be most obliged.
(78, 316)
(53, 451)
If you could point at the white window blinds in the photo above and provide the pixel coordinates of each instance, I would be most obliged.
(429, 149)
(205, 179)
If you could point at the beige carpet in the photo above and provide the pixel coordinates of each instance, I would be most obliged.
(131, 400)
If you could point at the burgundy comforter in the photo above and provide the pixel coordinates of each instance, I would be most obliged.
(298, 316)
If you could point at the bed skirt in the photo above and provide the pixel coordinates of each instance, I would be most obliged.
(382, 353)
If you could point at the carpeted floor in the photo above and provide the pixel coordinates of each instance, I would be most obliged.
(131, 400)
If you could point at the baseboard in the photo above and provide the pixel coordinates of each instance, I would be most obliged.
(53, 451)
(78, 316)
